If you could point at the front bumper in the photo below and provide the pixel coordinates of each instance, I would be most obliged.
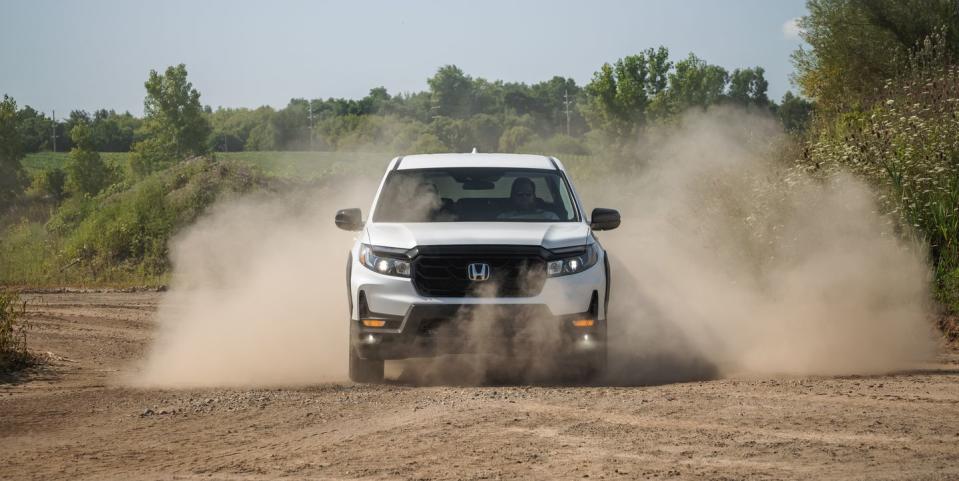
(420, 326)
(428, 330)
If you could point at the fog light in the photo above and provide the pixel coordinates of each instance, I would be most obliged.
(374, 322)
(371, 339)
(579, 323)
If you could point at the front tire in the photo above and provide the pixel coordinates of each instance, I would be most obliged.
(365, 370)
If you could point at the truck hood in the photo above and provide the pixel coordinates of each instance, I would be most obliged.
(551, 235)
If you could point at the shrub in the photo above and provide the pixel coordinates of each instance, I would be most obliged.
(48, 184)
(128, 230)
(13, 333)
(514, 137)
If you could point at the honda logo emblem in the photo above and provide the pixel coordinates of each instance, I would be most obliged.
(478, 271)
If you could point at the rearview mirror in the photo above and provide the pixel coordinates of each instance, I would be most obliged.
(349, 219)
(604, 219)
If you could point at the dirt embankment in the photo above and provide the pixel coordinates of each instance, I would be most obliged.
(74, 419)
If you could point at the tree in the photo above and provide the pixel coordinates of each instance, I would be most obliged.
(175, 126)
(748, 87)
(794, 112)
(35, 129)
(695, 83)
(51, 183)
(113, 132)
(12, 177)
(452, 92)
(856, 45)
(619, 95)
(86, 171)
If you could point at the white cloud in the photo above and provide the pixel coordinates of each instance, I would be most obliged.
(791, 29)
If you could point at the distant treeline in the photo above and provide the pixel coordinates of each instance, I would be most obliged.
(457, 112)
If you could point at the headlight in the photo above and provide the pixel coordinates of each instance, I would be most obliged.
(572, 265)
(384, 265)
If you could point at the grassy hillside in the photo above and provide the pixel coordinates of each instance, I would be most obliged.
(120, 236)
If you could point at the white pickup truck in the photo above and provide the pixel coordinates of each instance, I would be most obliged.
(464, 245)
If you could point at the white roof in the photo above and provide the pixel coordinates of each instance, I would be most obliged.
(519, 161)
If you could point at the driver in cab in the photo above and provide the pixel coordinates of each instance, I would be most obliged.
(522, 196)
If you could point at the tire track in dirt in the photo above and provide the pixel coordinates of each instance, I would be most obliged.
(72, 419)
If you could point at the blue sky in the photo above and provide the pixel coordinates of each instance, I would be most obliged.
(90, 54)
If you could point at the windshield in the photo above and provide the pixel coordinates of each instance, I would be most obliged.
(475, 195)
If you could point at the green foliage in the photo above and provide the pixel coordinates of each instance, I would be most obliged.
(35, 129)
(794, 112)
(12, 177)
(113, 132)
(856, 45)
(515, 137)
(906, 144)
(560, 144)
(41, 161)
(175, 126)
(695, 83)
(619, 94)
(27, 254)
(150, 155)
(87, 173)
(13, 333)
(453, 92)
(50, 184)
(133, 226)
(748, 87)
(626, 96)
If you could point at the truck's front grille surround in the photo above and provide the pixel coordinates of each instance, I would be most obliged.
(515, 271)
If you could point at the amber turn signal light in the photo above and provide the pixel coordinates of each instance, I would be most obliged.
(376, 322)
(583, 323)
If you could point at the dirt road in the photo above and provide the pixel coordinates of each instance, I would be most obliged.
(73, 419)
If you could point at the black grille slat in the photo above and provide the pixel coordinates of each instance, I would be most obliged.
(516, 271)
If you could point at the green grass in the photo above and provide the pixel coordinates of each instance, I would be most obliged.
(52, 160)
(310, 165)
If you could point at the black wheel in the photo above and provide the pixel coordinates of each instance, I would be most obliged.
(365, 370)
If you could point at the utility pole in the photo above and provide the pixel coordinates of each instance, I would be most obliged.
(566, 102)
(309, 108)
(54, 136)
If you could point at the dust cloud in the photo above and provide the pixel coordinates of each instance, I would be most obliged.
(726, 263)
(258, 295)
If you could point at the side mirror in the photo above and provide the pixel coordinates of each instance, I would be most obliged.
(604, 219)
(349, 219)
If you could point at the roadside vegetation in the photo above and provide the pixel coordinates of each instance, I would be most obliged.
(13, 334)
(885, 76)
(878, 96)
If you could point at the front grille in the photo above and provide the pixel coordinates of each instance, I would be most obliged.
(515, 271)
